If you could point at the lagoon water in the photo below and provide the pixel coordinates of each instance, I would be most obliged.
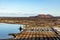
(6, 29)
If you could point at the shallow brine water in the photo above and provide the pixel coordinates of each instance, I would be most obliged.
(6, 29)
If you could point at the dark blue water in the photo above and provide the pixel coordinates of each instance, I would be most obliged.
(6, 29)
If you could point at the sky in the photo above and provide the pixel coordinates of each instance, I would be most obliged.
(25, 8)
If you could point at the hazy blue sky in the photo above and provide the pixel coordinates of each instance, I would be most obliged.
(29, 7)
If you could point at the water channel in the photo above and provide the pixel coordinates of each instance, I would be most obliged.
(6, 29)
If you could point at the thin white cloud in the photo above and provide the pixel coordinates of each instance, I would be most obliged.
(9, 12)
